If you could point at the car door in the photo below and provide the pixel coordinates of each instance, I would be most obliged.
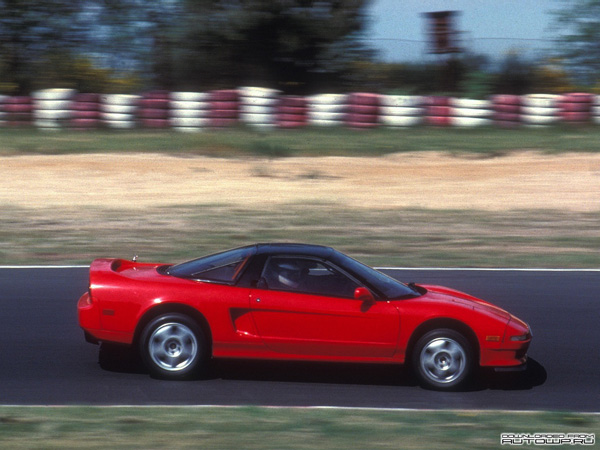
(304, 306)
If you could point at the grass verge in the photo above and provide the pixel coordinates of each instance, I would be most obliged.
(273, 428)
(307, 142)
(407, 238)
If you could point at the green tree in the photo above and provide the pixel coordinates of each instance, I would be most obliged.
(578, 39)
(28, 30)
(296, 44)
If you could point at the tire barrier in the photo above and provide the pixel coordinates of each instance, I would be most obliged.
(327, 110)
(189, 111)
(52, 108)
(224, 108)
(18, 111)
(401, 110)
(258, 106)
(506, 110)
(153, 111)
(119, 111)
(85, 112)
(438, 112)
(576, 108)
(292, 112)
(363, 110)
(468, 112)
(595, 112)
(540, 109)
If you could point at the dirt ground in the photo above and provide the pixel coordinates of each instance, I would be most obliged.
(414, 180)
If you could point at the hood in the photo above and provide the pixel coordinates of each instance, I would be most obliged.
(451, 295)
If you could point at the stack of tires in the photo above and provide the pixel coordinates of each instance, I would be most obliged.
(85, 112)
(468, 112)
(224, 108)
(596, 110)
(438, 111)
(576, 108)
(399, 111)
(153, 112)
(52, 108)
(189, 111)
(2, 113)
(507, 110)
(363, 110)
(18, 111)
(292, 112)
(258, 106)
(326, 110)
(119, 111)
(539, 109)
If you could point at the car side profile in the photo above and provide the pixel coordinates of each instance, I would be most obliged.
(294, 302)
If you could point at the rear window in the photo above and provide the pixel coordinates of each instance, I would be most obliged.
(221, 267)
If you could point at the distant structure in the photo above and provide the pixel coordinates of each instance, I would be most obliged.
(443, 33)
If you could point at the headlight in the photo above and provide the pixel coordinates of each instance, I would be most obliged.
(522, 337)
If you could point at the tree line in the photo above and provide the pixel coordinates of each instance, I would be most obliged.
(297, 46)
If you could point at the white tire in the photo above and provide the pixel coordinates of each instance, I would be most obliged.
(407, 101)
(188, 104)
(324, 123)
(469, 103)
(466, 122)
(52, 114)
(259, 92)
(190, 122)
(189, 113)
(400, 121)
(258, 119)
(54, 94)
(120, 124)
(52, 104)
(401, 111)
(118, 117)
(326, 116)
(328, 99)
(120, 99)
(118, 109)
(256, 109)
(189, 96)
(540, 100)
(471, 112)
(538, 120)
(322, 108)
(539, 111)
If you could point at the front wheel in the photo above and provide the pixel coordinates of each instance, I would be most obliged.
(442, 359)
(173, 347)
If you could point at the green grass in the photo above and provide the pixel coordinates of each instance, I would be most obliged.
(272, 428)
(381, 237)
(312, 141)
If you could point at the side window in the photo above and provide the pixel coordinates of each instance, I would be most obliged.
(305, 275)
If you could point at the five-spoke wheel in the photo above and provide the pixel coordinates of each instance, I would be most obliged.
(442, 359)
(173, 346)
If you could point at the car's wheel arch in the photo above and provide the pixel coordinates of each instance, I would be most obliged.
(173, 308)
(443, 323)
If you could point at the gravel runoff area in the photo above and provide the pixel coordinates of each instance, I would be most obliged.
(518, 180)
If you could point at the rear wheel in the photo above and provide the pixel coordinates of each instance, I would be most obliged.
(174, 347)
(442, 359)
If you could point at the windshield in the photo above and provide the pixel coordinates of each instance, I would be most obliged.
(220, 267)
(386, 285)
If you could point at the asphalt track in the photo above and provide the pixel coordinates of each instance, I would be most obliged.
(44, 359)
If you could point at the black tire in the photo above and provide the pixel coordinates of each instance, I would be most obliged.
(173, 347)
(442, 360)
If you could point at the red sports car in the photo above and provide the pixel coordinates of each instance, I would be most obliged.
(294, 302)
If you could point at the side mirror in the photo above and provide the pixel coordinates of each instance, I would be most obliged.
(363, 294)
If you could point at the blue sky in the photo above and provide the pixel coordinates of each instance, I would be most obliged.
(492, 27)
